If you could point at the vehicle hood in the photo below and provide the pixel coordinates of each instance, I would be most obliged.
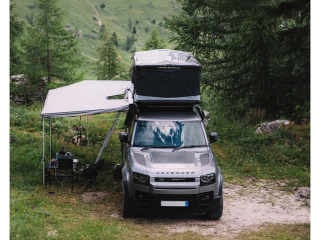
(180, 163)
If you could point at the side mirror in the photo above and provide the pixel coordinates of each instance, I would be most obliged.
(123, 136)
(213, 137)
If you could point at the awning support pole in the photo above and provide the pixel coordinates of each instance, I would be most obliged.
(106, 140)
(43, 148)
(50, 139)
(87, 132)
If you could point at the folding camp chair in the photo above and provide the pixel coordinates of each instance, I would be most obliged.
(92, 172)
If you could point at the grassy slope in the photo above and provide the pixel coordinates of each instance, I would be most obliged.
(80, 16)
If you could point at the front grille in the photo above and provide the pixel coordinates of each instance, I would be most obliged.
(174, 197)
(175, 179)
(148, 198)
(173, 188)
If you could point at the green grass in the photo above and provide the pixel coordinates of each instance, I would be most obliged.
(26, 138)
(280, 232)
(80, 16)
(242, 153)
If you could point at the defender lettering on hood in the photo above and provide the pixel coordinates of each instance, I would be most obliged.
(174, 172)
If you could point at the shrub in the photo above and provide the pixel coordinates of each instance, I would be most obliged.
(301, 112)
(255, 116)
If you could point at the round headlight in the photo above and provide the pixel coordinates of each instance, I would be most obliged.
(142, 178)
(207, 178)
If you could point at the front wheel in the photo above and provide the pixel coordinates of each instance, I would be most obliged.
(126, 210)
(215, 214)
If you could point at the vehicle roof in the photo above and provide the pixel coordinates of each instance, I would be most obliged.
(165, 57)
(169, 116)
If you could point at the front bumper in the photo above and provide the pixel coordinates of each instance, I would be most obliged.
(152, 202)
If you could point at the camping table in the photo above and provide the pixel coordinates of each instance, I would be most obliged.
(54, 167)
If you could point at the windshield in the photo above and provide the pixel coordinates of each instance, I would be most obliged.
(168, 134)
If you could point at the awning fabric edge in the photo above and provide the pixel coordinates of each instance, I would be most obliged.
(84, 113)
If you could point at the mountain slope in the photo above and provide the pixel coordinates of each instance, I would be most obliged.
(89, 15)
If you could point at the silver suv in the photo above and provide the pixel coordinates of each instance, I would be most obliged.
(168, 164)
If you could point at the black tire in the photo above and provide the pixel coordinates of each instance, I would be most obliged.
(126, 209)
(215, 214)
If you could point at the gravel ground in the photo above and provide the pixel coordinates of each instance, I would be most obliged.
(246, 207)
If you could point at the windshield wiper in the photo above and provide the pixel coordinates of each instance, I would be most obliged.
(190, 146)
(144, 148)
(147, 147)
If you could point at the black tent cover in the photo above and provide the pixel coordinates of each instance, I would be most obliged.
(166, 74)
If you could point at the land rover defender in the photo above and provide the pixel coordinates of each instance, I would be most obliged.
(167, 160)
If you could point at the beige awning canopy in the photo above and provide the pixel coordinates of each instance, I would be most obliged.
(86, 98)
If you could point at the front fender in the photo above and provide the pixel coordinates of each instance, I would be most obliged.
(220, 182)
(125, 179)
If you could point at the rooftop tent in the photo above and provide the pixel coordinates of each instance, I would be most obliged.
(86, 98)
(166, 75)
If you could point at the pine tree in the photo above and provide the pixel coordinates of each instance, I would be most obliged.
(255, 53)
(114, 38)
(16, 31)
(130, 41)
(109, 64)
(50, 50)
(102, 29)
(154, 42)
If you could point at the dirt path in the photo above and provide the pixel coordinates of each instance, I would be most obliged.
(97, 14)
(123, 60)
(246, 207)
